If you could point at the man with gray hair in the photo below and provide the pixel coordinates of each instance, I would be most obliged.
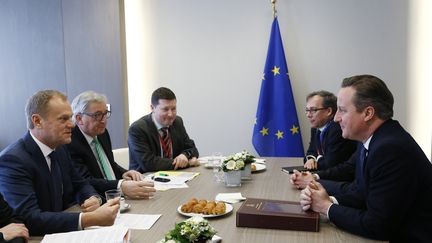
(91, 149)
(39, 179)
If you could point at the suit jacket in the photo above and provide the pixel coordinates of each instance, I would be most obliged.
(25, 183)
(344, 171)
(145, 149)
(87, 164)
(392, 198)
(7, 217)
(335, 148)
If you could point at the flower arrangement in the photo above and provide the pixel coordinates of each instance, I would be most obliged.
(237, 161)
(195, 229)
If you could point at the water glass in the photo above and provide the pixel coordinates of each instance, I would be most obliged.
(112, 194)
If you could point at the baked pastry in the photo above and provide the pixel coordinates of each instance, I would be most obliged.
(203, 207)
(253, 167)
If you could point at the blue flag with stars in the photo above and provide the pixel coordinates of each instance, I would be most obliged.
(276, 131)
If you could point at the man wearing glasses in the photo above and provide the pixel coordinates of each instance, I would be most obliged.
(91, 149)
(327, 148)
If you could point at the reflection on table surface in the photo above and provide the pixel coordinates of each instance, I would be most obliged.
(271, 183)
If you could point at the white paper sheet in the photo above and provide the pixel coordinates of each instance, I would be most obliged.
(137, 221)
(113, 234)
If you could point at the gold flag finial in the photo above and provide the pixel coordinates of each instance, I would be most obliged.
(273, 2)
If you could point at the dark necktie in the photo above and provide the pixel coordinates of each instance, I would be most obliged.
(361, 176)
(318, 140)
(56, 184)
(363, 157)
(166, 143)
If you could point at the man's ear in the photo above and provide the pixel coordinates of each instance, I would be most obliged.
(37, 120)
(369, 113)
(78, 118)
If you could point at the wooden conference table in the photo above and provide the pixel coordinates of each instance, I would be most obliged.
(271, 183)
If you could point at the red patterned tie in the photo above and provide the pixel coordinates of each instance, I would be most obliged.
(166, 143)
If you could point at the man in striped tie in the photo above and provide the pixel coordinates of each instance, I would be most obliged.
(159, 141)
(91, 149)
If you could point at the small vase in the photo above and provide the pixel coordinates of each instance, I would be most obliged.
(246, 173)
(232, 178)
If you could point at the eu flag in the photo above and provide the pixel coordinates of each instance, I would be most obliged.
(276, 131)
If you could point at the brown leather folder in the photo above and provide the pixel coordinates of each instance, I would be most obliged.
(276, 214)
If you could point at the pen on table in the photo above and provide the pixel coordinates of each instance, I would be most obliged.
(162, 174)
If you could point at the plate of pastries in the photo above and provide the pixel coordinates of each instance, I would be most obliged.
(204, 208)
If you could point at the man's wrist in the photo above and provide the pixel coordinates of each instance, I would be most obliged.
(308, 157)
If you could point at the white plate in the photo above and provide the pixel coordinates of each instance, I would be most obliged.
(259, 161)
(259, 167)
(205, 159)
(125, 207)
(228, 209)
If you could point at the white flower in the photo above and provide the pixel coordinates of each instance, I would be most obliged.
(231, 165)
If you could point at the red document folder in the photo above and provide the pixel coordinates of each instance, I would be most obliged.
(275, 214)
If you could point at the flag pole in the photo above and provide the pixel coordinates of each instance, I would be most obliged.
(273, 2)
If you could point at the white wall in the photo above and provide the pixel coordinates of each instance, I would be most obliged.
(212, 54)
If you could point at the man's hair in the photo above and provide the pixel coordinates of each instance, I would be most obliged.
(371, 91)
(38, 104)
(329, 99)
(162, 93)
(82, 101)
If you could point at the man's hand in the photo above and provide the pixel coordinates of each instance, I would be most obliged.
(311, 164)
(138, 189)
(315, 197)
(194, 162)
(181, 161)
(105, 215)
(301, 179)
(91, 204)
(132, 175)
(12, 231)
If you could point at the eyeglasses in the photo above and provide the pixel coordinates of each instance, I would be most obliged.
(98, 116)
(312, 111)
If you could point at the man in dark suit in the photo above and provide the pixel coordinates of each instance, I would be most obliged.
(327, 147)
(11, 230)
(38, 177)
(391, 196)
(91, 149)
(158, 141)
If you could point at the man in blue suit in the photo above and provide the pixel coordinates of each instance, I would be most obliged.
(38, 179)
(327, 147)
(391, 196)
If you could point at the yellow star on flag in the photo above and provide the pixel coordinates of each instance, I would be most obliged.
(279, 134)
(275, 70)
(263, 77)
(264, 131)
(294, 129)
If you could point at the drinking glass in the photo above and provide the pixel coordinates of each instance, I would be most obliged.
(112, 194)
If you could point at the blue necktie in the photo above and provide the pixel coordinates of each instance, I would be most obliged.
(56, 183)
(361, 165)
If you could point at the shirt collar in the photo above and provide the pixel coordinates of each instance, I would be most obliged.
(324, 127)
(87, 137)
(158, 126)
(366, 144)
(44, 148)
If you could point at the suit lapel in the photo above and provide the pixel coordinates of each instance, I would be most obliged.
(41, 163)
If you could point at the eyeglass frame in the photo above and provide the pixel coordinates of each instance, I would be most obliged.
(313, 110)
(95, 115)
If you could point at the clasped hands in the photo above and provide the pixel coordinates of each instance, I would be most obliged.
(315, 197)
(181, 161)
